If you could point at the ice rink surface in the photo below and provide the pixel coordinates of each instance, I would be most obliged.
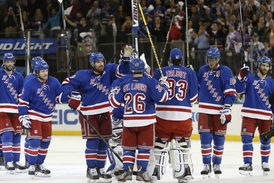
(66, 161)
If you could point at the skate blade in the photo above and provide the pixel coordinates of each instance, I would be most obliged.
(101, 180)
(217, 176)
(20, 171)
(246, 173)
(265, 173)
(10, 171)
(38, 174)
(206, 176)
(2, 168)
(92, 181)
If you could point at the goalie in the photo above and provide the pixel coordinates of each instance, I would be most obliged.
(174, 119)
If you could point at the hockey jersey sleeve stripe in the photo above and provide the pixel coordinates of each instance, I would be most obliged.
(23, 102)
(194, 99)
(164, 98)
(66, 81)
(114, 103)
(230, 92)
(117, 73)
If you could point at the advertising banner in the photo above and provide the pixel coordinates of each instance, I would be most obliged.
(17, 46)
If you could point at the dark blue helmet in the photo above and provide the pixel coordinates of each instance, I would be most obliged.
(36, 60)
(8, 56)
(213, 53)
(265, 59)
(42, 65)
(93, 57)
(137, 65)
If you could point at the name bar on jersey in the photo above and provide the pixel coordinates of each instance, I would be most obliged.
(17, 46)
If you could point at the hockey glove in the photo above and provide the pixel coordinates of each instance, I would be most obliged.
(244, 71)
(24, 119)
(75, 100)
(128, 53)
(225, 115)
(163, 81)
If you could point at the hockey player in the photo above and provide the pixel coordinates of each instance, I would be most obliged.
(10, 128)
(139, 95)
(34, 62)
(216, 96)
(94, 86)
(256, 112)
(36, 106)
(174, 118)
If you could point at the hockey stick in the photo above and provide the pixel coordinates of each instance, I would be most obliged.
(66, 37)
(135, 23)
(151, 42)
(99, 135)
(167, 36)
(186, 34)
(241, 29)
(22, 27)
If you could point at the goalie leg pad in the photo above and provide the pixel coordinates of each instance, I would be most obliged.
(161, 157)
(181, 159)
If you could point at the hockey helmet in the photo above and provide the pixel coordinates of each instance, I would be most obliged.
(93, 57)
(8, 56)
(42, 65)
(265, 59)
(213, 53)
(137, 65)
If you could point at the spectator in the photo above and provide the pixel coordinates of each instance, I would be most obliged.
(47, 7)
(120, 16)
(269, 34)
(94, 11)
(25, 19)
(158, 30)
(202, 42)
(75, 8)
(33, 5)
(195, 17)
(260, 29)
(268, 18)
(54, 22)
(216, 36)
(175, 30)
(38, 21)
(11, 24)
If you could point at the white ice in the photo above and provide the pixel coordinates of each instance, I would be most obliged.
(66, 160)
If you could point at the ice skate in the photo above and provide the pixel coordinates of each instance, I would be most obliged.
(31, 170)
(265, 168)
(217, 170)
(187, 176)
(117, 173)
(126, 176)
(19, 167)
(206, 171)
(246, 169)
(92, 175)
(142, 175)
(103, 176)
(41, 171)
(2, 163)
(10, 167)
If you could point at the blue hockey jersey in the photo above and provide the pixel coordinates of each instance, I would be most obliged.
(10, 87)
(29, 76)
(139, 96)
(257, 92)
(183, 93)
(38, 99)
(118, 113)
(216, 88)
(94, 88)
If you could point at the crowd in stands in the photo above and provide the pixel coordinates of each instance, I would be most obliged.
(209, 23)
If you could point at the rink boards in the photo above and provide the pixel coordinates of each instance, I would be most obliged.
(65, 122)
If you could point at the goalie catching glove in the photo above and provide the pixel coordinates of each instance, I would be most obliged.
(225, 115)
(24, 119)
(128, 53)
(75, 100)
